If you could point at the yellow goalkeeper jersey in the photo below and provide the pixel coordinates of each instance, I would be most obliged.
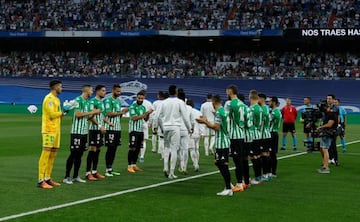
(51, 114)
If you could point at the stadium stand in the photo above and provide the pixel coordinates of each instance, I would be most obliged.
(303, 59)
(173, 64)
(100, 15)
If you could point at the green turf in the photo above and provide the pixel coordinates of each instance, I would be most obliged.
(298, 194)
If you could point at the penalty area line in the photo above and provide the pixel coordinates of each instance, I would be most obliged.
(133, 190)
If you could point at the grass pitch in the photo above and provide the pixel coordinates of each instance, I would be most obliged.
(298, 194)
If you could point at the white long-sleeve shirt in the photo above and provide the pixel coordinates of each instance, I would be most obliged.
(208, 111)
(189, 113)
(148, 105)
(156, 107)
(198, 128)
(172, 113)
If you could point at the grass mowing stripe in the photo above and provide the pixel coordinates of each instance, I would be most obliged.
(135, 190)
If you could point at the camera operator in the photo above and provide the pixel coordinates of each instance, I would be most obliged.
(327, 131)
(309, 123)
(333, 153)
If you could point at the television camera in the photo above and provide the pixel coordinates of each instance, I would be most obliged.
(312, 117)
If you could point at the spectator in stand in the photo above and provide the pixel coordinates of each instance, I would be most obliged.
(81, 15)
(171, 64)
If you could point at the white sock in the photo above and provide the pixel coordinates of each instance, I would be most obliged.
(194, 157)
(181, 159)
(161, 147)
(212, 143)
(206, 145)
(166, 159)
(197, 155)
(173, 160)
(186, 159)
(142, 151)
(153, 142)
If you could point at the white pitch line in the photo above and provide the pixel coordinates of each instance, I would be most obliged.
(349, 143)
(133, 190)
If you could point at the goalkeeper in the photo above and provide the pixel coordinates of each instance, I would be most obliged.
(50, 129)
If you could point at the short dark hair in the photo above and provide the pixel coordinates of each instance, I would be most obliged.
(274, 99)
(85, 86)
(307, 97)
(254, 94)
(54, 83)
(233, 88)
(190, 103)
(331, 95)
(115, 86)
(172, 90)
(241, 97)
(262, 95)
(338, 99)
(99, 87)
(141, 93)
(216, 98)
(209, 96)
(181, 94)
(161, 94)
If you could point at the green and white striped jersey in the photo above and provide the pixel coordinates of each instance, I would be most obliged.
(136, 110)
(96, 103)
(237, 111)
(249, 126)
(222, 139)
(80, 125)
(266, 122)
(275, 120)
(257, 120)
(113, 105)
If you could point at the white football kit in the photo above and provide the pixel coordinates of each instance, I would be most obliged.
(171, 115)
(148, 106)
(207, 110)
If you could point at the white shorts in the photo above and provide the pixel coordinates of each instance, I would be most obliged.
(184, 141)
(172, 138)
(208, 132)
(194, 142)
(159, 132)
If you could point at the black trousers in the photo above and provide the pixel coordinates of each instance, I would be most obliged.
(333, 153)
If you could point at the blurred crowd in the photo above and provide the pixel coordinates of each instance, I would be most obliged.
(280, 14)
(108, 15)
(171, 64)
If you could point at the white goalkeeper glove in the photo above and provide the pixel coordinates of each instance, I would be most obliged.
(69, 105)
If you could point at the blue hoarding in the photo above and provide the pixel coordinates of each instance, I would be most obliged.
(22, 34)
(32, 90)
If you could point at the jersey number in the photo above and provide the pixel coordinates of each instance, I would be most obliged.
(77, 141)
